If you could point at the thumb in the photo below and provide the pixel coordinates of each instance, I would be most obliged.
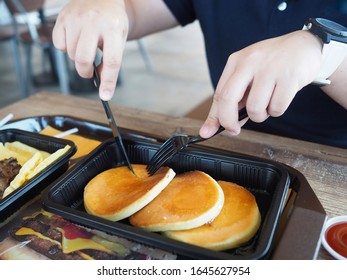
(211, 125)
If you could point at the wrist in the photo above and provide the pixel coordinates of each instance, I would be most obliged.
(316, 41)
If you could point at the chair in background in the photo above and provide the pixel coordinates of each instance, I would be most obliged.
(145, 55)
(8, 34)
(38, 34)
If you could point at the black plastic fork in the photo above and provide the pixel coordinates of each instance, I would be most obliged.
(178, 142)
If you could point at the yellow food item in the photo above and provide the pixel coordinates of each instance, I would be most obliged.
(190, 200)
(24, 173)
(20, 151)
(117, 193)
(236, 224)
(6, 153)
(84, 145)
(31, 159)
(24, 150)
(49, 160)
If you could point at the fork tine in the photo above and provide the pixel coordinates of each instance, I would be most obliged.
(152, 168)
(162, 150)
(176, 143)
(160, 159)
(167, 151)
(163, 155)
(168, 145)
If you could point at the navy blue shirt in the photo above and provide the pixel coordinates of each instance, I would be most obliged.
(230, 25)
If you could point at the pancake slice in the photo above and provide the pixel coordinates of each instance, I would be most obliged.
(117, 193)
(236, 224)
(190, 200)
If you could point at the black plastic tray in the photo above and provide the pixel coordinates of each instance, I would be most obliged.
(268, 181)
(89, 129)
(301, 222)
(31, 188)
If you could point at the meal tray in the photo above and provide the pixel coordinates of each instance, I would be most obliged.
(299, 227)
(93, 130)
(269, 183)
(14, 201)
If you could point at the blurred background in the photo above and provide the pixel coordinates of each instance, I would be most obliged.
(165, 72)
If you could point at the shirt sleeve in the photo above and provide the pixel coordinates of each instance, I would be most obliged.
(183, 10)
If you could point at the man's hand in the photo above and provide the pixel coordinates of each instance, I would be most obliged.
(265, 78)
(82, 27)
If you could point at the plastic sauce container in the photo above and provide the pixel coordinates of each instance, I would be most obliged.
(334, 237)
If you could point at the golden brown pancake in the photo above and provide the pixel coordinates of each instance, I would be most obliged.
(117, 193)
(236, 224)
(190, 200)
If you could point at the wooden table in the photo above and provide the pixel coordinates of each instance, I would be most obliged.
(324, 167)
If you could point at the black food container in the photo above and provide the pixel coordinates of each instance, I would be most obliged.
(21, 196)
(267, 180)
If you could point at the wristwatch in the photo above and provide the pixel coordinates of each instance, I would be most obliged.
(334, 39)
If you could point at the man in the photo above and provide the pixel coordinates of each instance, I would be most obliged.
(258, 56)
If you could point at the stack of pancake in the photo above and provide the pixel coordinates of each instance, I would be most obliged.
(191, 207)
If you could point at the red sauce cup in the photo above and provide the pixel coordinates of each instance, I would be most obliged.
(334, 237)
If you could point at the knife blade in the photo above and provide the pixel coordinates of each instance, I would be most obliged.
(112, 122)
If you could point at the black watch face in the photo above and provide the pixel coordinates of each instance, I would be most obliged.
(332, 27)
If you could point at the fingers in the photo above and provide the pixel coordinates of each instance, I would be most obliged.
(263, 97)
(110, 67)
(229, 100)
(58, 36)
(82, 55)
(211, 124)
(259, 97)
(80, 41)
(281, 98)
(83, 27)
(226, 103)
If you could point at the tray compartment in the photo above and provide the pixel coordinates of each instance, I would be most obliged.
(93, 130)
(267, 180)
(11, 203)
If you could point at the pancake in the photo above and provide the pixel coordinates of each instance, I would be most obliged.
(236, 224)
(190, 200)
(117, 193)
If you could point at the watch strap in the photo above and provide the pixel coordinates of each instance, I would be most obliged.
(333, 54)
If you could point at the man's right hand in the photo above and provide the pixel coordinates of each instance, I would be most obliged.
(82, 27)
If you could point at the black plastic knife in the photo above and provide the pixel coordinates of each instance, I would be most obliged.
(112, 121)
